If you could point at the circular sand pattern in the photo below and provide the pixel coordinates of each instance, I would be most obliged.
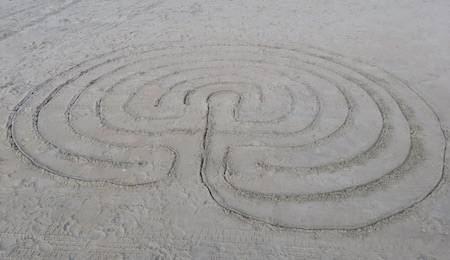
(297, 138)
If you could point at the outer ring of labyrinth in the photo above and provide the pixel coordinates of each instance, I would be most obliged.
(328, 142)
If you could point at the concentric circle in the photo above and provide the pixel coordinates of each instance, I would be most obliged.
(297, 138)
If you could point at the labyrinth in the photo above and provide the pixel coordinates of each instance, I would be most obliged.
(293, 137)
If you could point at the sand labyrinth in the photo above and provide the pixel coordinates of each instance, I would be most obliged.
(296, 138)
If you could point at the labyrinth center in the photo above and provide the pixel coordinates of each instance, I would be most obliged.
(296, 138)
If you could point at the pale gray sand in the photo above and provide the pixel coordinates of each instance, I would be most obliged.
(224, 130)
